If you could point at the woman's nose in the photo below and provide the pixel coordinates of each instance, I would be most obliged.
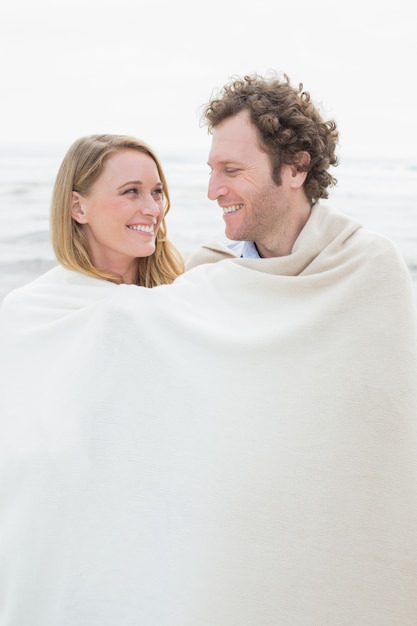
(151, 207)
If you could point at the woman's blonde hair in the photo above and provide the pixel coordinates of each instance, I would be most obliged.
(81, 167)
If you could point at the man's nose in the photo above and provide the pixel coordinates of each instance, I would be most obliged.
(216, 188)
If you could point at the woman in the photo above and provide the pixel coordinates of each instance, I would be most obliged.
(108, 212)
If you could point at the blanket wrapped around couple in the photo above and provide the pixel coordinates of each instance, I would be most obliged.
(238, 448)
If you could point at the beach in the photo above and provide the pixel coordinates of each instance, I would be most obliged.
(380, 193)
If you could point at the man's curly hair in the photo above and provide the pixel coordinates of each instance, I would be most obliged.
(288, 124)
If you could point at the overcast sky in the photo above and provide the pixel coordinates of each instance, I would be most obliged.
(143, 67)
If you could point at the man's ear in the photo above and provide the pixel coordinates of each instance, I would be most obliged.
(303, 161)
(77, 211)
(300, 168)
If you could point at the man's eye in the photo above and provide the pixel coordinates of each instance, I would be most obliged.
(232, 170)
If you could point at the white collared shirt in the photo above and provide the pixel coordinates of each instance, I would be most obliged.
(244, 249)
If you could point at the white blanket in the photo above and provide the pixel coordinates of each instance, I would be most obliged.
(236, 449)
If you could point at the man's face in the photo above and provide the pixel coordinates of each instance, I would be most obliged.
(254, 207)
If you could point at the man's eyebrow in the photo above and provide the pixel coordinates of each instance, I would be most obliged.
(225, 162)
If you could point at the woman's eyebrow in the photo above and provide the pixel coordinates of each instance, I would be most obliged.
(131, 182)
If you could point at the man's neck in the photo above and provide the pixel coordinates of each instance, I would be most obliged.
(283, 243)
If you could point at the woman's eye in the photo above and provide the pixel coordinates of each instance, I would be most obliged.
(159, 192)
(131, 190)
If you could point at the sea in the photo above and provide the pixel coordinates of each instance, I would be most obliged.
(380, 192)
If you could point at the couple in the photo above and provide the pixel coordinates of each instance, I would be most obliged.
(237, 445)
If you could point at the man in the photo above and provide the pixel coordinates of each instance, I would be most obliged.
(333, 298)
(269, 159)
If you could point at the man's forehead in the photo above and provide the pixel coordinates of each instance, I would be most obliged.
(240, 123)
(235, 148)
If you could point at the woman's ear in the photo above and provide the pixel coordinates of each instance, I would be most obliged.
(77, 210)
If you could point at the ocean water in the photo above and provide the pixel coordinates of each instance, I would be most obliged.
(380, 193)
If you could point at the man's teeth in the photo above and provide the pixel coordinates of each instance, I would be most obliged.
(145, 229)
(231, 209)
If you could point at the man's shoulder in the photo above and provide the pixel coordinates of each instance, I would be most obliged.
(375, 244)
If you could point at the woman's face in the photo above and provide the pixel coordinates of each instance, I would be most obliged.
(122, 212)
